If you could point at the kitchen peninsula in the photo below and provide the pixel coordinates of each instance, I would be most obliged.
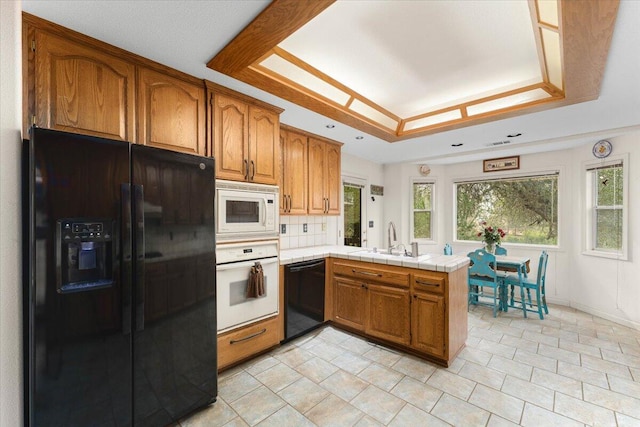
(418, 305)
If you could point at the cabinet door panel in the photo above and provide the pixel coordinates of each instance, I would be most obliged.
(296, 173)
(171, 113)
(79, 89)
(333, 184)
(317, 176)
(428, 323)
(349, 302)
(231, 138)
(389, 313)
(264, 146)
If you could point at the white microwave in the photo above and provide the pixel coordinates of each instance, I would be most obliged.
(246, 211)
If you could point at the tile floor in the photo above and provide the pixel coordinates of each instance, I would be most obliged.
(571, 369)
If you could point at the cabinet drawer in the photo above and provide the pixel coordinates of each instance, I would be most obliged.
(242, 343)
(364, 271)
(432, 283)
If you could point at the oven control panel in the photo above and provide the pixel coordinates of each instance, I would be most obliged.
(236, 252)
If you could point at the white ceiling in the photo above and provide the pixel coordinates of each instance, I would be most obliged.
(187, 34)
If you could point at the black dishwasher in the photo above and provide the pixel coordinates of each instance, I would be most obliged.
(303, 297)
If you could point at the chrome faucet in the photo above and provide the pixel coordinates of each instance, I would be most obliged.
(392, 227)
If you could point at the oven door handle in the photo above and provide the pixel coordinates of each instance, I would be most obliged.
(246, 264)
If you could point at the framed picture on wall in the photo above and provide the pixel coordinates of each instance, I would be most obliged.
(501, 164)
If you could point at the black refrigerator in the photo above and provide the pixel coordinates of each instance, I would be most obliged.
(119, 280)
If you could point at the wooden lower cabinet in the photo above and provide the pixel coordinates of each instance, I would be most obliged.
(428, 323)
(245, 342)
(419, 311)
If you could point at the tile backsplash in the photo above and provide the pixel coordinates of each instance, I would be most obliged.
(320, 230)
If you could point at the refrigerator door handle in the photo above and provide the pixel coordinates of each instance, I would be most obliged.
(125, 214)
(138, 220)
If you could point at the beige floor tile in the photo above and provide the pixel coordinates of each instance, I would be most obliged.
(584, 412)
(317, 369)
(334, 411)
(380, 376)
(528, 324)
(635, 374)
(618, 402)
(627, 421)
(257, 405)
(236, 422)
(496, 421)
(326, 350)
(536, 360)
(254, 367)
(583, 374)
(413, 367)
(333, 335)
(606, 366)
(566, 385)
(630, 349)
(498, 403)
(409, 415)
(560, 333)
(456, 365)
(383, 356)
(214, 415)
(559, 354)
(597, 342)
(497, 348)
(452, 384)
(278, 377)
(482, 375)
(623, 359)
(351, 363)
(506, 329)
(535, 416)
(236, 386)
(510, 367)
(294, 356)
(580, 348)
(624, 386)
(474, 355)
(303, 394)
(286, 417)
(420, 395)
(541, 338)
(344, 385)
(378, 404)
(532, 393)
(367, 421)
(520, 343)
(460, 413)
(356, 345)
(486, 334)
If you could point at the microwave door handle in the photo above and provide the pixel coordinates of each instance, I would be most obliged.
(263, 220)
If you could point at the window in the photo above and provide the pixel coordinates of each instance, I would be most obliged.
(526, 208)
(353, 213)
(606, 209)
(422, 214)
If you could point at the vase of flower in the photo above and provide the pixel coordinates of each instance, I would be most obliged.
(491, 237)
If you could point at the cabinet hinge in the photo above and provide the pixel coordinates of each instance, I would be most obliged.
(33, 119)
(33, 45)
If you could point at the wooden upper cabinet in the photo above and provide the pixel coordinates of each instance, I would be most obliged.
(324, 177)
(293, 191)
(264, 145)
(245, 135)
(83, 90)
(171, 112)
(231, 137)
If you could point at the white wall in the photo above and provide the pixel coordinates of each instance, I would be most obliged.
(605, 287)
(10, 235)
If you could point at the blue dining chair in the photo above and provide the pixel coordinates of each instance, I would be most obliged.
(538, 286)
(485, 281)
(500, 250)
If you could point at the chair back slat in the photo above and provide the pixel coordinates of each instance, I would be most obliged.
(500, 250)
(483, 265)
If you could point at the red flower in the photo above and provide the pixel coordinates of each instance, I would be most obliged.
(480, 234)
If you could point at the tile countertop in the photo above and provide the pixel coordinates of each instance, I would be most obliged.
(429, 261)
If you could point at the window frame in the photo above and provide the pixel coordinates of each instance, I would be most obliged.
(590, 209)
(412, 236)
(558, 172)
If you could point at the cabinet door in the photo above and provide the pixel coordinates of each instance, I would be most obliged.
(295, 174)
(388, 313)
(231, 137)
(83, 90)
(317, 177)
(170, 113)
(264, 146)
(333, 179)
(428, 323)
(349, 304)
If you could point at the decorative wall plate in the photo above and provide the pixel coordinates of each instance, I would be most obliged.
(602, 149)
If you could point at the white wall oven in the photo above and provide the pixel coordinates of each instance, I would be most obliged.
(246, 211)
(233, 267)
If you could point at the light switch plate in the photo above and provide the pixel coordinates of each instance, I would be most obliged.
(370, 224)
(283, 228)
(304, 228)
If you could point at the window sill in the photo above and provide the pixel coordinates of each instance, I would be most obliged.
(609, 255)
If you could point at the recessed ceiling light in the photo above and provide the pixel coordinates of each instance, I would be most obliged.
(330, 126)
(457, 145)
(514, 135)
(359, 137)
